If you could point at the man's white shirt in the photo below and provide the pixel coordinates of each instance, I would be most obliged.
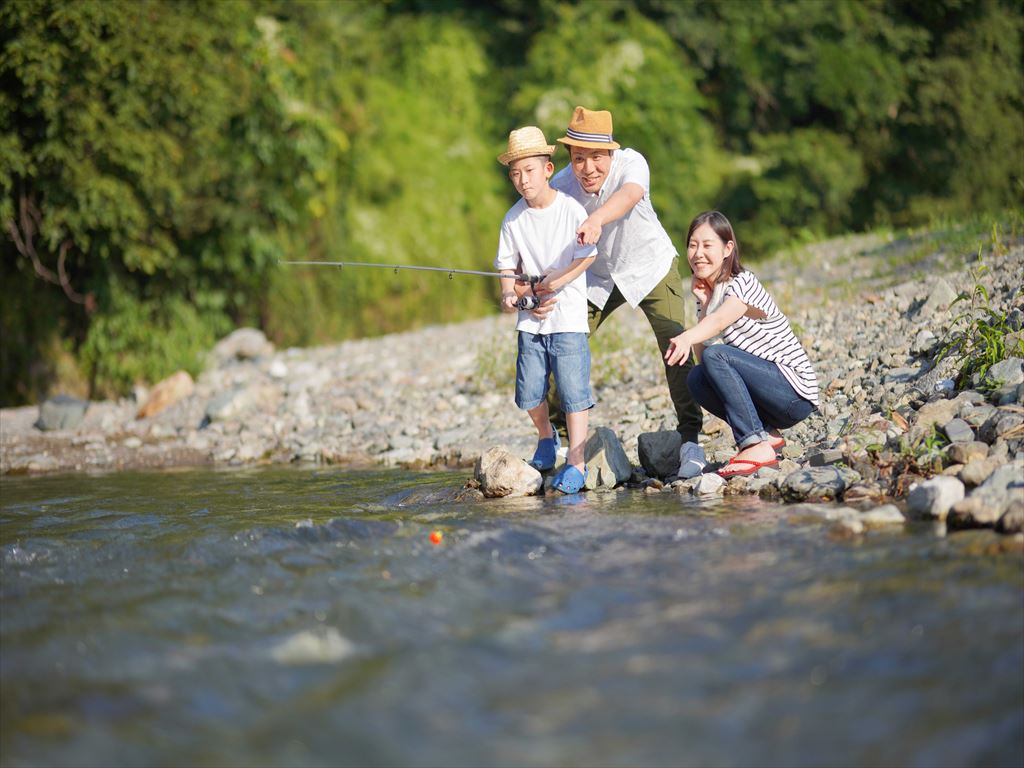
(634, 252)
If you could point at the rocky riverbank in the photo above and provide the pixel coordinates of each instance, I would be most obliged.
(874, 315)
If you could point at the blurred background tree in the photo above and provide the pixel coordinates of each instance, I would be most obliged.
(158, 158)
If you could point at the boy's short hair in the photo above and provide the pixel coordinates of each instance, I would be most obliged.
(528, 141)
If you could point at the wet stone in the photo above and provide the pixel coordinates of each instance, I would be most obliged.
(932, 499)
(1012, 520)
(501, 473)
(708, 485)
(607, 463)
(817, 483)
(883, 516)
(864, 492)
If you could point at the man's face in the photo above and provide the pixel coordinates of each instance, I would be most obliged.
(591, 167)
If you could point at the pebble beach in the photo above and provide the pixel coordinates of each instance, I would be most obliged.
(898, 428)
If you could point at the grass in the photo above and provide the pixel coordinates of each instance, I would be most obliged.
(978, 334)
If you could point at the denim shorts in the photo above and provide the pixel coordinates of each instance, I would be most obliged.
(567, 355)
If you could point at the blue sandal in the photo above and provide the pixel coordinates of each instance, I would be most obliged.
(546, 453)
(570, 480)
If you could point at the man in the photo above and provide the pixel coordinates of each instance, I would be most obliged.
(636, 261)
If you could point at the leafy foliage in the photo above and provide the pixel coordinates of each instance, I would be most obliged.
(131, 341)
(157, 149)
(803, 185)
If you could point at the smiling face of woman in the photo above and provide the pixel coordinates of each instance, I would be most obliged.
(707, 253)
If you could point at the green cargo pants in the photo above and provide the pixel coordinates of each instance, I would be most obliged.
(663, 307)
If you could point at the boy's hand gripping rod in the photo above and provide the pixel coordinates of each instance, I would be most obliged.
(525, 302)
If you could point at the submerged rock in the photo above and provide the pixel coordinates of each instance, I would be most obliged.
(885, 515)
(316, 646)
(502, 473)
(987, 504)
(1012, 520)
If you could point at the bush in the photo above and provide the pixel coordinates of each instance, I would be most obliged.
(144, 341)
(802, 183)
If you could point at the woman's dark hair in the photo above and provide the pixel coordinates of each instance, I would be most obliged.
(723, 229)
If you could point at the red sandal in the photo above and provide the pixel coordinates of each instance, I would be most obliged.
(744, 467)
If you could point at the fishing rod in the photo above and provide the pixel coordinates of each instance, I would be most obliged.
(524, 302)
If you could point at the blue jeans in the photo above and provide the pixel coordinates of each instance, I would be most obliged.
(748, 392)
(567, 356)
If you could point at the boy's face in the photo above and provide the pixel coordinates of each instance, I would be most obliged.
(530, 176)
(591, 167)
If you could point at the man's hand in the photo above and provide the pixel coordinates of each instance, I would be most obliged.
(589, 231)
(508, 301)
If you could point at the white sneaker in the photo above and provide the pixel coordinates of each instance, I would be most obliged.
(691, 460)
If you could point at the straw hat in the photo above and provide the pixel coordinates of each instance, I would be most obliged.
(590, 129)
(526, 142)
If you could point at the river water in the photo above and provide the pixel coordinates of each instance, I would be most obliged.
(291, 616)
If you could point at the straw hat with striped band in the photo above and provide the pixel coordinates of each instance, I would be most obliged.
(526, 142)
(590, 129)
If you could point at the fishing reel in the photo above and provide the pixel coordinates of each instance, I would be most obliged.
(528, 302)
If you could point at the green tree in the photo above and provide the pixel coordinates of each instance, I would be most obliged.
(800, 187)
(424, 186)
(964, 130)
(156, 163)
(928, 95)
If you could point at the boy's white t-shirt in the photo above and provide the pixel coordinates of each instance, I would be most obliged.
(538, 241)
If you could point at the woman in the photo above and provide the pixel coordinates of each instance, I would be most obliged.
(753, 372)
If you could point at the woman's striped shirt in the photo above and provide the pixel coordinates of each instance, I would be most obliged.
(771, 338)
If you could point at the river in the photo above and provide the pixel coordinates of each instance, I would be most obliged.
(290, 616)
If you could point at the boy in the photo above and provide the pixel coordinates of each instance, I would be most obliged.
(538, 236)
